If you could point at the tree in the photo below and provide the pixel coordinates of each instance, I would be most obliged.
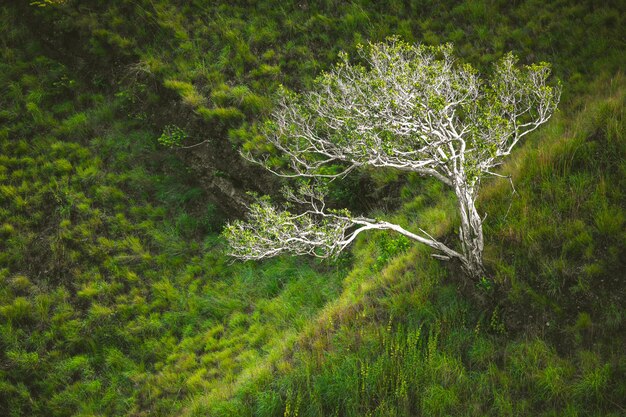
(410, 107)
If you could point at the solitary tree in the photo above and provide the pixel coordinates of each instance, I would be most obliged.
(409, 107)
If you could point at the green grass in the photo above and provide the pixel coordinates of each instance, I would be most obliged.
(407, 337)
(116, 298)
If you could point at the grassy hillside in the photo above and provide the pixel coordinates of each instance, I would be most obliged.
(116, 297)
(210, 68)
(409, 337)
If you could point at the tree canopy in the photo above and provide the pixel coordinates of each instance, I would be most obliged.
(410, 107)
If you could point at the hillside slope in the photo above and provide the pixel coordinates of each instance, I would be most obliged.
(410, 337)
(116, 297)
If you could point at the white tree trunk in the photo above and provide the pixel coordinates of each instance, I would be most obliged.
(470, 231)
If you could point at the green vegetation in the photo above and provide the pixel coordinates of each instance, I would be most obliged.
(409, 337)
(116, 297)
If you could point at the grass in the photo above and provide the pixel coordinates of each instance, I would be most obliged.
(407, 337)
(116, 299)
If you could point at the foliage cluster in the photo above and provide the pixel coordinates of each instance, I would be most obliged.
(172, 136)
